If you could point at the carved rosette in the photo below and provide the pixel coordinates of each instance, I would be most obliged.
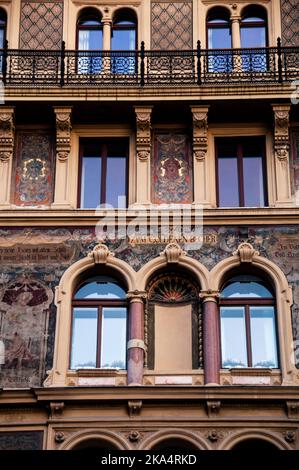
(281, 132)
(63, 133)
(7, 133)
(143, 132)
(200, 132)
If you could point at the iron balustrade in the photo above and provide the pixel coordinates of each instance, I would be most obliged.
(65, 68)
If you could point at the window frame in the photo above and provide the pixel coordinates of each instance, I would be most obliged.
(240, 152)
(246, 303)
(103, 145)
(80, 27)
(115, 26)
(251, 13)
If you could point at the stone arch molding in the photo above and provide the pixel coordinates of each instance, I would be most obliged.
(188, 437)
(273, 438)
(210, 283)
(95, 434)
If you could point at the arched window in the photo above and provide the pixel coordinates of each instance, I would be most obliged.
(254, 27)
(3, 25)
(219, 37)
(99, 324)
(248, 323)
(89, 38)
(124, 38)
(173, 321)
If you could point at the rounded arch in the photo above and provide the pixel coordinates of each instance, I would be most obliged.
(250, 259)
(254, 10)
(89, 438)
(122, 13)
(161, 262)
(89, 12)
(218, 12)
(253, 434)
(172, 435)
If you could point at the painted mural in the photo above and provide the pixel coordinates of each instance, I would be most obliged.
(33, 260)
(34, 169)
(294, 163)
(172, 169)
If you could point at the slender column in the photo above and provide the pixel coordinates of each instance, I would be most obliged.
(63, 148)
(7, 138)
(281, 153)
(200, 148)
(135, 344)
(107, 22)
(211, 338)
(236, 33)
(143, 151)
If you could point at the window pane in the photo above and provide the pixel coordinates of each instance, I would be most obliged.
(228, 184)
(233, 337)
(91, 182)
(100, 287)
(253, 182)
(123, 40)
(84, 338)
(1, 38)
(114, 326)
(90, 40)
(254, 36)
(246, 288)
(219, 38)
(263, 337)
(116, 182)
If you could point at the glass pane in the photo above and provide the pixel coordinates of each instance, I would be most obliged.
(219, 38)
(90, 40)
(233, 337)
(100, 287)
(116, 182)
(228, 182)
(114, 335)
(84, 337)
(245, 288)
(91, 182)
(1, 38)
(253, 182)
(263, 337)
(123, 40)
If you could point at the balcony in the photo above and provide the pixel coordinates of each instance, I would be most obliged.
(144, 68)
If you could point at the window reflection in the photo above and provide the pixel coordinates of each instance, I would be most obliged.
(253, 29)
(89, 38)
(219, 37)
(124, 38)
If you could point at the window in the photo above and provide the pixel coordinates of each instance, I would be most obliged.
(241, 172)
(219, 37)
(174, 323)
(248, 324)
(253, 31)
(99, 324)
(103, 173)
(124, 38)
(89, 38)
(3, 23)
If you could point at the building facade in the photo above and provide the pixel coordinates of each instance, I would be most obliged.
(149, 209)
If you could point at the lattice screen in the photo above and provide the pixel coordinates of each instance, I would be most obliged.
(171, 25)
(290, 22)
(41, 24)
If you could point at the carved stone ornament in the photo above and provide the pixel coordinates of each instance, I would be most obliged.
(213, 407)
(134, 407)
(214, 435)
(143, 132)
(7, 133)
(56, 408)
(246, 252)
(289, 436)
(100, 254)
(173, 252)
(134, 436)
(136, 294)
(200, 132)
(59, 437)
(63, 133)
(281, 132)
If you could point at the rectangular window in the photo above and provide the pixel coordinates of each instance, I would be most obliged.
(263, 337)
(103, 173)
(113, 354)
(233, 346)
(84, 344)
(241, 172)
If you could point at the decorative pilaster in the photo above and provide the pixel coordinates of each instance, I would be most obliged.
(236, 34)
(135, 344)
(211, 337)
(200, 148)
(143, 152)
(7, 139)
(281, 153)
(107, 22)
(63, 148)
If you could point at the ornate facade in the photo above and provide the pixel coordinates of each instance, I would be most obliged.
(149, 200)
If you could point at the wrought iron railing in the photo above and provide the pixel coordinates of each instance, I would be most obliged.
(44, 68)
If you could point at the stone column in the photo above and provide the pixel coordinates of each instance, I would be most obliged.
(135, 344)
(236, 33)
(7, 140)
(281, 153)
(63, 148)
(107, 24)
(211, 338)
(143, 152)
(200, 148)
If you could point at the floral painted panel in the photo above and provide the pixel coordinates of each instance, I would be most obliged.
(34, 172)
(172, 169)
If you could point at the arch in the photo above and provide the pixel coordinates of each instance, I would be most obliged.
(181, 260)
(219, 11)
(254, 10)
(250, 259)
(93, 435)
(270, 437)
(89, 12)
(101, 260)
(125, 12)
(188, 437)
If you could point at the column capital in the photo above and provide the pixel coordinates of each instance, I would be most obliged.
(136, 296)
(209, 295)
(235, 18)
